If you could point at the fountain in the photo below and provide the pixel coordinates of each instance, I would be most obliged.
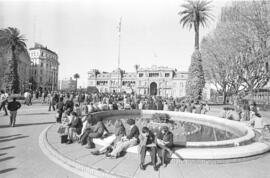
(196, 136)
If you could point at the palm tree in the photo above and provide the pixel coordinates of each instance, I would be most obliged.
(194, 14)
(76, 76)
(11, 39)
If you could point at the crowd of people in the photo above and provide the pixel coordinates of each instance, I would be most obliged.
(75, 113)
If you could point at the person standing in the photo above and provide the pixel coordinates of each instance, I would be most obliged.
(60, 110)
(51, 101)
(3, 101)
(13, 107)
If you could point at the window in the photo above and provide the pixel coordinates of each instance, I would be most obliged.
(153, 74)
(140, 74)
(167, 74)
(41, 64)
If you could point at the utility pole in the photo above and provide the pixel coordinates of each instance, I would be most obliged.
(119, 44)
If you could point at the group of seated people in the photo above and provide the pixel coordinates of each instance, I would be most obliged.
(248, 114)
(89, 127)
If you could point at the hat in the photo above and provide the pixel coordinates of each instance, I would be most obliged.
(130, 121)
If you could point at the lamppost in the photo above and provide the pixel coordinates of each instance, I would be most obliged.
(53, 77)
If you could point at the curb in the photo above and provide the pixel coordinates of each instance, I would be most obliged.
(70, 165)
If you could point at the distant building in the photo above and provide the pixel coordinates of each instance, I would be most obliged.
(24, 69)
(161, 81)
(68, 84)
(45, 68)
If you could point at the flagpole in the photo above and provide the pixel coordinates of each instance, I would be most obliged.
(119, 44)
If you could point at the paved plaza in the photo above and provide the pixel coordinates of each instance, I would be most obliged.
(21, 155)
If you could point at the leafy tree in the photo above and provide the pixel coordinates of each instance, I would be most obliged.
(11, 39)
(195, 13)
(76, 76)
(236, 54)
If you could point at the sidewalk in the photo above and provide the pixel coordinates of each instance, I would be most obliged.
(78, 159)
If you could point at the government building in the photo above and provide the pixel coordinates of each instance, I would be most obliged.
(155, 80)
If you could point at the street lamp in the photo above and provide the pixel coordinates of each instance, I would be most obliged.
(53, 77)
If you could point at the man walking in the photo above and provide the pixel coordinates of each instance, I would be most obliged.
(3, 100)
(13, 107)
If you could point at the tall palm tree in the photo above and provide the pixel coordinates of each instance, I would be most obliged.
(76, 76)
(11, 39)
(194, 14)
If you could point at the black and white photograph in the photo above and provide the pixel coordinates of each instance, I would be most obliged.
(134, 88)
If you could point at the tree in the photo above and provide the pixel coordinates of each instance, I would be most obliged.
(236, 53)
(76, 76)
(11, 39)
(195, 14)
(219, 67)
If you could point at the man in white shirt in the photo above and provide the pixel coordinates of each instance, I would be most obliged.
(3, 101)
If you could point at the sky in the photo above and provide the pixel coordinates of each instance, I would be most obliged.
(84, 33)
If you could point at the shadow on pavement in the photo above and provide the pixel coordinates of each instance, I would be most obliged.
(10, 136)
(7, 158)
(29, 124)
(2, 154)
(31, 114)
(10, 139)
(6, 170)
(6, 148)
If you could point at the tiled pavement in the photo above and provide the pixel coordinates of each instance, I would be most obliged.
(128, 165)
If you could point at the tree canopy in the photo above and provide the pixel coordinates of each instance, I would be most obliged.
(194, 14)
(236, 54)
(11, 39)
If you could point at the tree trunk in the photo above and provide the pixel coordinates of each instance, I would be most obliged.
(14, 78)
(76, 84)
(196, 28)
(224, 97)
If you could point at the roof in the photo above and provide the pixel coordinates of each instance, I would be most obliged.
(39, 46)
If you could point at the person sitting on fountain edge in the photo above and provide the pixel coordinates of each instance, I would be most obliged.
(96, 132)
(130, 140)
(147, 143)
(165, 144)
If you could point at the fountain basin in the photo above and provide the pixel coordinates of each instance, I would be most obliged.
(244, 145)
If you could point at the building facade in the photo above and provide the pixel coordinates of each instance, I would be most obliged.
(24, 69)
(68, 84)
(161, 81)
(44, 69)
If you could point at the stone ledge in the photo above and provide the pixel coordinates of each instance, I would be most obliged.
(206, 153)
(71, 165)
